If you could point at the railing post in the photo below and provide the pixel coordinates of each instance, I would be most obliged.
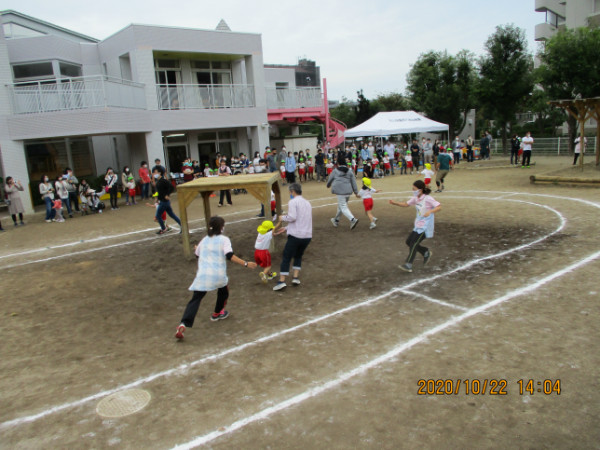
(104, 91)
(559, 146)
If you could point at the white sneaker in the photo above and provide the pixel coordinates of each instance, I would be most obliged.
(372, 225)
(374, 219)
(334, 222)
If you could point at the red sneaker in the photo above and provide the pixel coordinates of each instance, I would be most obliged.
(180, 331)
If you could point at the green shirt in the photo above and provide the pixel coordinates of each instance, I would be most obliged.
(444, 160)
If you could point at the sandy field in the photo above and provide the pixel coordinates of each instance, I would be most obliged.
(360, 355)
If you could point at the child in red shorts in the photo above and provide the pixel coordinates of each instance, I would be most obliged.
(262, 256)
(366, 194)
(428, 174)
(311, 168)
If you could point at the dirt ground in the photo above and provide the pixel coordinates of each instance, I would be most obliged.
(90, 307)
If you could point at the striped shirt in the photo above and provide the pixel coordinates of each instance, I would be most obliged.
(299, 218)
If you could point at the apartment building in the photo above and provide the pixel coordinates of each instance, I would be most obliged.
(146, 92)
(562, 14)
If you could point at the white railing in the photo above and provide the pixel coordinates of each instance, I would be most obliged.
(76, 93)
(295, 98)
(205, 96)
(558, 146)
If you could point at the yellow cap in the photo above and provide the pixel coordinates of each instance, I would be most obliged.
(428, 166)
(155, 194)
(265, 227)
(366, 181)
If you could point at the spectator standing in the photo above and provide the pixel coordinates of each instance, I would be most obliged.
(72, 183)
(527, 144)
(145, 179)
(47, 193)
(484, 145)
(60, 187)
(224, 171)
(129, 200)
(320, 165)
(470, 148)
(390, 149)
(290, 168)
(515, 146)
(15, 206)
(111, 187)
(414, 153)
(456, 148)
(428, 152)
(578, 148)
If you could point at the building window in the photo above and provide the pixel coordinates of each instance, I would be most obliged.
(69, 70)
(33, 70)
(554, 19)
(14, 31)
(212, 72)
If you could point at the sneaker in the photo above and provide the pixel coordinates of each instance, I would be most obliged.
(427, 256)
(22, 223)
(353, 223)
(443, 187)
(219, 205)
(406, 267)
(296, 281)
(180, 331)
(439, 190)
(16, 224)
(168, 228)
(219, 316)
(334, 222)
(162, 231)
(374, 219)
(263, 277)
(373, 225)
(279, 286)
(271, 275)
(49, 221)
(260, 215)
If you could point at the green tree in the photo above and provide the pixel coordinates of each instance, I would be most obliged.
(571, 67)
(345, 112)
(505, 77)
(364, 111)
(393, 101)
(441, 86)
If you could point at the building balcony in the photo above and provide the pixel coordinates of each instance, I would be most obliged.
(67, 94)
(209, 96)
(544, 31)
(555, 6)
(594, 20)
(295, 98)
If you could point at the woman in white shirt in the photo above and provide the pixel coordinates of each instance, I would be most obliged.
(60, 186)
(47, 193)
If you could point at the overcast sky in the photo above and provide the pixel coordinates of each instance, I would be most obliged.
(367, 45)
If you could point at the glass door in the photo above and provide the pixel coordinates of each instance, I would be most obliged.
(176, 154)
(168, 81)
(206, 154)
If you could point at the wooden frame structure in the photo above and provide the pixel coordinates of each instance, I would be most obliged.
(259, 185)
(583, 109)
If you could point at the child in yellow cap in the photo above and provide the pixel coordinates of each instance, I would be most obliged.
(428, 174)
(262, 256)
(366, 194)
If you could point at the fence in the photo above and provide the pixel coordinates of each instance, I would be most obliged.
(547, 146)
(286, 98)
(76, 93)
(205, 96)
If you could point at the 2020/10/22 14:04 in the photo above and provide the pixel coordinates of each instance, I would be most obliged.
(546, 387)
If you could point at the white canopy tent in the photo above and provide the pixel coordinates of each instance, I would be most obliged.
(396, 122)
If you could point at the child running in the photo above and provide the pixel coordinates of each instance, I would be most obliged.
(366, 194)
(58, 208)
(426, 206)
(428, 174)
(213, 252)
(262, 256)
(155, 206)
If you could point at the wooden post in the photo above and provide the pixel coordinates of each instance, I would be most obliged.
(206, 202)
(181, 199)
(277, 191)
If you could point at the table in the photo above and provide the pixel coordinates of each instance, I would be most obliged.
(259, 185)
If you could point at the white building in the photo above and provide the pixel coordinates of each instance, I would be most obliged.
(561, 14)
(146, 92)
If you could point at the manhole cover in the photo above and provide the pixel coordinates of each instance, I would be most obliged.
(123, 403)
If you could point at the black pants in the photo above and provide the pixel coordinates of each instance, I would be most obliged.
(575, 159)
(414, 244)
(113, 196)
(456, 157)
(74, 199)
(514, 154)
(290, 177)
(14, 217)
(225, 192)
(294, 249)
(192, 307)
(470, 154)
(526, 157)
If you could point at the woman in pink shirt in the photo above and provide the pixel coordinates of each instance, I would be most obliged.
(145, 180)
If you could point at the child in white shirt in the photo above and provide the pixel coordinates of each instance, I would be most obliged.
(366, 194)
(428, 174)
(262, 256)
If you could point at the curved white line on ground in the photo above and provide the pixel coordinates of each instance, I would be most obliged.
(185, 366)
(400, 348)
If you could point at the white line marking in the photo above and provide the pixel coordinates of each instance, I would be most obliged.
(433, 300)
(182, 367)
(400, 348)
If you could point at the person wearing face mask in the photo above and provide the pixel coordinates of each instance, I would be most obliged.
(72, 183)
(164, 190)
(126, 178)
(442, 168)
(111, 187)
(213, 251)
(60, 186)
(47, 193)
(144, 175)
(426, 207)
(15, 206)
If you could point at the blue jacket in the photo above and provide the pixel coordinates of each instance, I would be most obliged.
(290, 164)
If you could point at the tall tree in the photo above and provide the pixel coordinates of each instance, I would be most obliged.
(571, 67)
(393, 101)
(363, 109)
(441, 86)
(345, 112)
(506, 76)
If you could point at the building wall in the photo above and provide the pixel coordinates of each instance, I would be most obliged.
(280, 75)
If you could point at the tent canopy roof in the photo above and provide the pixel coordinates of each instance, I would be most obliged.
(395, 122)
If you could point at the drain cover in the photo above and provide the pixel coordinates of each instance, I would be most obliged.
(123, 403)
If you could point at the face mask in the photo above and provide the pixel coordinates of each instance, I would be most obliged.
(223, 229)
(156, 175)
(415, 193)
(145, 166)
(291, 196)
(46, 180)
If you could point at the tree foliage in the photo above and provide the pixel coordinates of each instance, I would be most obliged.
(571, 67)
(441, 86)
(506, 76)
(363, 109)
